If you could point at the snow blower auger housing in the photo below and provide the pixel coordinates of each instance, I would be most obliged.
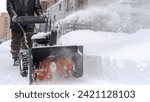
(45, 58)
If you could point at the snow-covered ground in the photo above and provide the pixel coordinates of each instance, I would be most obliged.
(9, 74)
(116, 57)
(109, 58)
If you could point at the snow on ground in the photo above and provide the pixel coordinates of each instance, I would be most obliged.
(118, 45)
(9, 74)
(109, 58)
(115, 57)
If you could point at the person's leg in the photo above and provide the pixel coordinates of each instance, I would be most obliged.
(28, 36)
(15, 44)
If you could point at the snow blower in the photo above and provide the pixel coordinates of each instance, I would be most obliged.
(45, 56)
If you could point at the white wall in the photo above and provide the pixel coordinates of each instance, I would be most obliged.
(54, 9)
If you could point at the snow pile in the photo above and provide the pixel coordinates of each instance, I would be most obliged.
(112, 44)
(116, 57)
(6, 43)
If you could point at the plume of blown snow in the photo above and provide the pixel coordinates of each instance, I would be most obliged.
(123, 15)
(94, 15)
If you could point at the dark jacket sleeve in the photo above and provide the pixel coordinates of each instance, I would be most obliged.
(10, 9)
(38, 8)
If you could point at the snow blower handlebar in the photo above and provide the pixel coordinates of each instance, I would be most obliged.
(33, 20)
(30, 19)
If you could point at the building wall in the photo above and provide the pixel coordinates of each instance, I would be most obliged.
(4, 26)
(61, 8)
(56, 11)
(51, 2)
(44, 5)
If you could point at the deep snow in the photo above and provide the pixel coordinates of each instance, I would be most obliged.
(109, 58)
(116, 57)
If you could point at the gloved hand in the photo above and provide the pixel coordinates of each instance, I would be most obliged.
(14, 18)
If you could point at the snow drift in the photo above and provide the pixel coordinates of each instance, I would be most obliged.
(115, 57)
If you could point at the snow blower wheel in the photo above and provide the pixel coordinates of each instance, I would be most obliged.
(24, 62)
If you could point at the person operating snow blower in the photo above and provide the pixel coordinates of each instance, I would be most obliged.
(17, 8)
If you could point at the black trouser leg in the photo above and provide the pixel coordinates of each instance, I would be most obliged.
(18, 42)
(28, 38)
(15, 44)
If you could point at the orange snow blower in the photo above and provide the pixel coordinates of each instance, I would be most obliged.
(44, 70)
(39, 62)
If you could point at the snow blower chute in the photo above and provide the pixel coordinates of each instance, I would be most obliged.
(45, 56)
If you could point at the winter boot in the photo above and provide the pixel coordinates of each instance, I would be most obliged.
(16, 62)
(15, 57)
